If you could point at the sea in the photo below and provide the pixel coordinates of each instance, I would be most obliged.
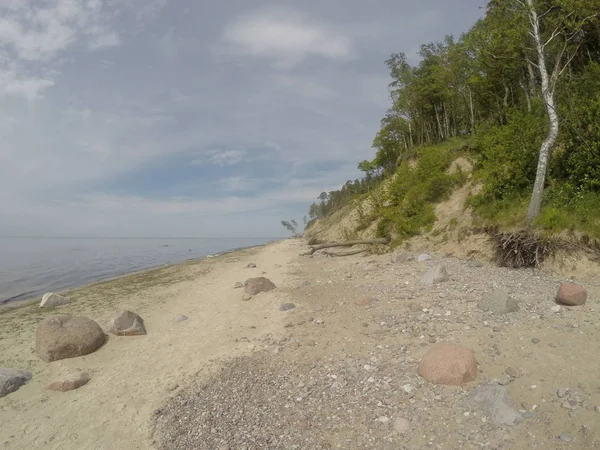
(32, 266)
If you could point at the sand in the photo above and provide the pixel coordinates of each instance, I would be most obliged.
(132, 376)
(337, 371)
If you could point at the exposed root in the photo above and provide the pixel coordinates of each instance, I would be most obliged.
(522, 248)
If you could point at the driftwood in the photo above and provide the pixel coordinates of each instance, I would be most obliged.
(346, 244)
(354, 252)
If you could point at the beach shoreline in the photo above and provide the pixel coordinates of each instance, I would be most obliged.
(20, 301)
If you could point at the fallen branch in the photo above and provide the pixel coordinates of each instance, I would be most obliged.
(355, 252)
(346, 244)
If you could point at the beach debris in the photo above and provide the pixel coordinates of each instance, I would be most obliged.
(238, 285)
(51, 300)
(435, 275)
(571, 294)
(253, 286)
(67, 336)
(450, 364)
(251, 266)
(496, 404)
(498, 302)
(12, 379)
(181, 318)
(286, 306)
(127, 323)
(70, 383)
(315, 248)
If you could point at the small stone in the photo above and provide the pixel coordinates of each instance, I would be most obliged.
(561, 392)
(571, 294)
(50, 300)
(127, 323)
(251, 266)
(565, 437)
(435, 275)
(449, 364)
(535, 340)
(319, 321)
(423, 257)
(512, 372)
(498, 302)
(597, 409)
(401, 425)
(69, 384)
(286, 306)
(254, 286)
(474, 263)
(383, 419)
(527, 406)
(181, 318)
(246, 297)
(238, 285)
(556, 308)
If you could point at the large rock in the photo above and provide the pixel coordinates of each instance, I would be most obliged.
(67, 336)
(12, 379)
(571, 294)
(253, 286)
(496, 404)
(450, 364)
(435, 275)
(70, 383)
(127, 323)
(50, 300)
(498, 302)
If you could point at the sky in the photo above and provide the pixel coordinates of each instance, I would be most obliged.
(194, 118)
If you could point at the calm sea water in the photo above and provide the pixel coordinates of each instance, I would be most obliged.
(30, 267)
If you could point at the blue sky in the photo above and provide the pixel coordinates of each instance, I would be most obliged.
(187, 118)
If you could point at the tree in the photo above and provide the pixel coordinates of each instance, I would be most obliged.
(564, 33)
(290, 226)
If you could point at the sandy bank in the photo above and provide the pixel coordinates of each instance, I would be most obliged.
(132, 376)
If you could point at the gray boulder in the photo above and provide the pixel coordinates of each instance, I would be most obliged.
(496, 404)
(127, 323)
(253, 286)
(435, 275)
(498, 302)
(12, 379)
(50, 300)
(67, 336)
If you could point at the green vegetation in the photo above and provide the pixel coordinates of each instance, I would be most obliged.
(519, 96)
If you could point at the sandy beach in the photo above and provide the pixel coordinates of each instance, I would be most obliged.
(132, 376)
(337, 371)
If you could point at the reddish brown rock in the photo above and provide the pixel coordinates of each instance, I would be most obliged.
(127, 323)
(450, 364)
(67, 336)
(253, 286)
(69, 384)
(571, 294)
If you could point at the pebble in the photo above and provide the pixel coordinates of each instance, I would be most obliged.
(556, 308)
(565, 437)
(407, 388)
(246, 297)
(383, 419)
(561, 392)
(286, 306)
(597, 408)
(181, 318)
(535, 340)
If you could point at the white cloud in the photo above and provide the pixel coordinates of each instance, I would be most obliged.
(287, 37)
(104, 40)
(30, 88)
(220, 157)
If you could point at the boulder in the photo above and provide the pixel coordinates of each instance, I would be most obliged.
(238, 285)
(127, 323)
(67, 336)
(435, 275)
(423, 257)
(253, 286)
(496, 404)
(12, 379)
(400, 257)
(251, 266)
(498, 302)
(50, 300)
(571, 294)
(70, 383)
(449, 364)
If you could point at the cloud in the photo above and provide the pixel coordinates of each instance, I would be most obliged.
(31, 88)
(286, 37)
(220, 157)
